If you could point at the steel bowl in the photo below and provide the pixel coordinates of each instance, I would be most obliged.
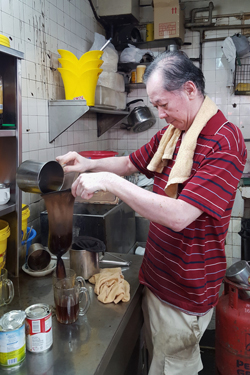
(239, 272)
(38, 257)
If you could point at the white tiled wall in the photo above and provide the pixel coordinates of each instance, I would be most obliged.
(39, 28)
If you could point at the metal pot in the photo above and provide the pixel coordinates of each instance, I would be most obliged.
(239, 273)
(38, 257)
(140, 118)
(84, 257)
(36, 177)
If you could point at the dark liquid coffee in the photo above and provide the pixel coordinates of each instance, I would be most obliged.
(67, 314)
(60, 207)
(60, 268)
(58, 244)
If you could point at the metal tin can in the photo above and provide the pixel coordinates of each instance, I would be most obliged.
(149, 32)
(133, 76)
(39, 328)
(12, 339)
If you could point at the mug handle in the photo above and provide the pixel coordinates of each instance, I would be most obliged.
(7, 193)
(83, 290)
(10, 287)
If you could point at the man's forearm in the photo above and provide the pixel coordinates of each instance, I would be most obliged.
(173, 213)
(121, 165)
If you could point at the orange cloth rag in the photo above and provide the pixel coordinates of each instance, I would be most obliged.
(110, 286)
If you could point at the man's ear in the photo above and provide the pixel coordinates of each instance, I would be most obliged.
(190, 89)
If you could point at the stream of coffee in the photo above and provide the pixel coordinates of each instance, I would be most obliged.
(60, 205)
(58, 245)
(60, 268)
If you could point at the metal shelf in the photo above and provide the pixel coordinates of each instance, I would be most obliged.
(11, 52)
(64, 113)
(127, 67)
(7, 133)
(7, 208)
(134, 86)
(11, 151)
(158, 43)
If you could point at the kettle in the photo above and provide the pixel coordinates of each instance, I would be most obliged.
(140, 118)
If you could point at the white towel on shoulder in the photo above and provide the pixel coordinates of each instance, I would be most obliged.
(183, 164)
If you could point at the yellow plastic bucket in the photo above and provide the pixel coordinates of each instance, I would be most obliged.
(70, 81)
(68, 55)
(91, 64)
(83, 86)
(25, 216)
(67, 64)
(87, 85)
(91, 55)
(4, 40)
(4, 234)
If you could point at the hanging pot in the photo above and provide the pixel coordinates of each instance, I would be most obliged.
(140, 118)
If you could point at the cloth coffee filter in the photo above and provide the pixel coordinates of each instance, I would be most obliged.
(89, 243)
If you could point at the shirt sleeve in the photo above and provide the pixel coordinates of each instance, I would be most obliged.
(212, 188)
(142, 157)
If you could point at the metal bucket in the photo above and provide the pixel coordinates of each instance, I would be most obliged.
(85, 263)
(36, 177)
(239, 273)
(38, 258)
(84, 257)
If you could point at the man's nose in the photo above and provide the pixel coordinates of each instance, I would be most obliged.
(162, 113)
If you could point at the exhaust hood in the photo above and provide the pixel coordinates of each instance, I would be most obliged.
(119, 11)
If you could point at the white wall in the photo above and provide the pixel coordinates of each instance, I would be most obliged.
(40, 27)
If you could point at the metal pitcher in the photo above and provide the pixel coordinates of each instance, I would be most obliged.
(36, 177)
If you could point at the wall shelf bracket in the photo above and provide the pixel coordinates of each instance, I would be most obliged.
(64, 113)
(105, 122)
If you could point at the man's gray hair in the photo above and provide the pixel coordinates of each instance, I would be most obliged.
(176, 69)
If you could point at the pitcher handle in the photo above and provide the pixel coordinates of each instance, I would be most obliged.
(83, 310)
(10, 287)
(83, 290)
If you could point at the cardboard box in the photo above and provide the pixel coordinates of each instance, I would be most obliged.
(169, 20)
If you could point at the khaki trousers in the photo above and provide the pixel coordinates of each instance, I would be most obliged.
(172, 337)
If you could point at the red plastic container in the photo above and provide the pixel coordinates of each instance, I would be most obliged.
(98, 154)
(232, 344)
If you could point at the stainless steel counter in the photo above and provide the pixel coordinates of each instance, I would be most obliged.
(105, 341)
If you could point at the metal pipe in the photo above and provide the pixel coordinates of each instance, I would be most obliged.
(217, 39)
(219, 27)
(236, 15)
(196, 10)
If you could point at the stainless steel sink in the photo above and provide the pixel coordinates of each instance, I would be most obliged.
(112, 224)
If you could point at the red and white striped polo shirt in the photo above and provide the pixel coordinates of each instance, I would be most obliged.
(186, 268)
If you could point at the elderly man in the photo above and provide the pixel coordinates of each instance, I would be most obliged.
(196, 161)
